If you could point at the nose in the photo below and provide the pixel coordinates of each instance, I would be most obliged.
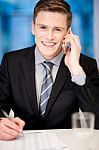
(50, 35)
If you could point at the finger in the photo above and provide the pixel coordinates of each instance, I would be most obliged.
(77, 41)
(6, 136)
(71, 41)
(6, 132)
(10, 124)
(69, 32)
(19, 122)
(66, 47)
(74, 39)
(9, 131)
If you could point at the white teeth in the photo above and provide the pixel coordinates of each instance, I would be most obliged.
(48, 43)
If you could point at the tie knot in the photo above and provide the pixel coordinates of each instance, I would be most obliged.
(48, 65)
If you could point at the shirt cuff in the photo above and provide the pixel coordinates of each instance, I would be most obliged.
(79, 78)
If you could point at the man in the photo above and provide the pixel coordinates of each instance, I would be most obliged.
(75, 76)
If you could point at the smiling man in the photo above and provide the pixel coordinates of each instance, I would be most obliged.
(46, 83)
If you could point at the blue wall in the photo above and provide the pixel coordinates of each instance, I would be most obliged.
(82, 23)
(15, 24)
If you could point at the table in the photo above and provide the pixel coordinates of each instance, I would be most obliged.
(63, 135)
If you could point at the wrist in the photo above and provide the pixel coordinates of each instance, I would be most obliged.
(78, 76)
(76, 69)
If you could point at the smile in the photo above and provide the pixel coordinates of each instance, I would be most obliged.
(48, 44)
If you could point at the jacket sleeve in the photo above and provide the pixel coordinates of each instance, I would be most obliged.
(4, 87)
(88, 94)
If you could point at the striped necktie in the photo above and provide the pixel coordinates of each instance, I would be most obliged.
(46, 87)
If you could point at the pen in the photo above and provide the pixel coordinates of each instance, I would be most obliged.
(5, 114)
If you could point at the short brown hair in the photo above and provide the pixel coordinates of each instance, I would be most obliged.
(59, 6)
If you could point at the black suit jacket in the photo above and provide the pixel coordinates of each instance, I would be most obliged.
(18, 91)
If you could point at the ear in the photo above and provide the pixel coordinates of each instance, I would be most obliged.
(33, 28)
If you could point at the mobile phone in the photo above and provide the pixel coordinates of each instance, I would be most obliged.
(68, 44)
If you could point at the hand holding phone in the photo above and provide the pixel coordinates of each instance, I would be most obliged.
(72, 48)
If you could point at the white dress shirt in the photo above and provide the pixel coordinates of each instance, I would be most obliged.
(40, 71)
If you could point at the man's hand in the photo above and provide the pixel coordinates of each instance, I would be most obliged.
(11, 128)
(73, 53)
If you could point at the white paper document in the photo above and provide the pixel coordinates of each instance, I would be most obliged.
(37, 140)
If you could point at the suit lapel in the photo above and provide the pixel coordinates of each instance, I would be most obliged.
(29, 74)
(61, 78)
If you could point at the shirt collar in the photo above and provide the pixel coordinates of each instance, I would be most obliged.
(39, 58)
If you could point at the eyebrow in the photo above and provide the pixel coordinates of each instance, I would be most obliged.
(54, 27)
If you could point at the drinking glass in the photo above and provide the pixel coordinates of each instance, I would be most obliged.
(83, 126)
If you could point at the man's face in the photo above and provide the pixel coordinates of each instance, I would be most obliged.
(49, 30)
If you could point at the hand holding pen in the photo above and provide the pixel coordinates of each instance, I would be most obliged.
(10, 128)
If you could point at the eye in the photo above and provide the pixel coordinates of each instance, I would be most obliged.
(42, 27)
(57, 29)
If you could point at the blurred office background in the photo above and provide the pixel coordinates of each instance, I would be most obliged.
(16, 18)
